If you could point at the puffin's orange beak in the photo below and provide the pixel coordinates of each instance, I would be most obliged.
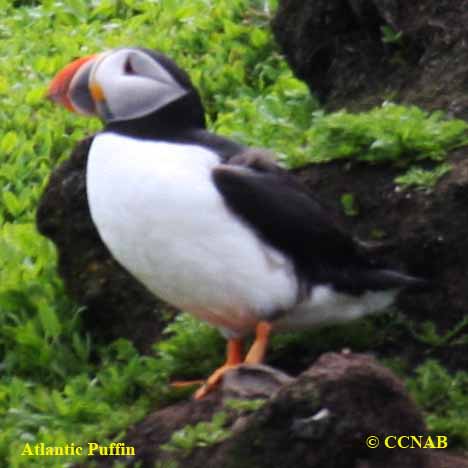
(59, 87)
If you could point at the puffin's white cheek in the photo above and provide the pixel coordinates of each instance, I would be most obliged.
(131, 97)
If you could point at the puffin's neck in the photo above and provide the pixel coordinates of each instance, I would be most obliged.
(166, 123)
(179, 122)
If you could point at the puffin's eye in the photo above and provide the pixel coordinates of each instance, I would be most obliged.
(128, 67)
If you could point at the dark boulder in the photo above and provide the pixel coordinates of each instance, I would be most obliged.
(358, 53)
(422, 232)
(321, 419)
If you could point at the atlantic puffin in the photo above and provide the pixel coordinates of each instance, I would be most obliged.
(207, 224)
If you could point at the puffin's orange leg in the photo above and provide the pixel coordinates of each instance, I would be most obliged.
(255, 355)
(257, 351)
(234, 358)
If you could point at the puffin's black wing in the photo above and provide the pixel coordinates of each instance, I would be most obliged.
(285, 215)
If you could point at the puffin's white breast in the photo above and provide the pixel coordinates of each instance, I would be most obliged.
(158, 211)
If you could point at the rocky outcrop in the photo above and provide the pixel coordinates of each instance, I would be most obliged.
(422, 232)
(358, 53)
(320, 419)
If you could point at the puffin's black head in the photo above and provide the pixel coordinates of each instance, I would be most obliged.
(133, 90)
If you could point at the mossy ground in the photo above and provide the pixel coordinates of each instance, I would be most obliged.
(56, 386)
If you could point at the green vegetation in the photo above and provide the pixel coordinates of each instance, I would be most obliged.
(394, 134)
(390, 36)
(244, 405)
(193, 348)
(426, 333)
(86, 406)
(201, 434)
(51, 390)
(348, 202)
(391, 133)
(418, 177)
(443, 396)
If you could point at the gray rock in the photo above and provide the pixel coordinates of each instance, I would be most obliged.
(319, 420)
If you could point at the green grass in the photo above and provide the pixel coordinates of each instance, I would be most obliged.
(390, 133)
(50, 389)
(202, 434)
(443, 397)
(422, 178)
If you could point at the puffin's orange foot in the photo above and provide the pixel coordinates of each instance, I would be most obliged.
(255, 355)
(234, 358)
(213, 381)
